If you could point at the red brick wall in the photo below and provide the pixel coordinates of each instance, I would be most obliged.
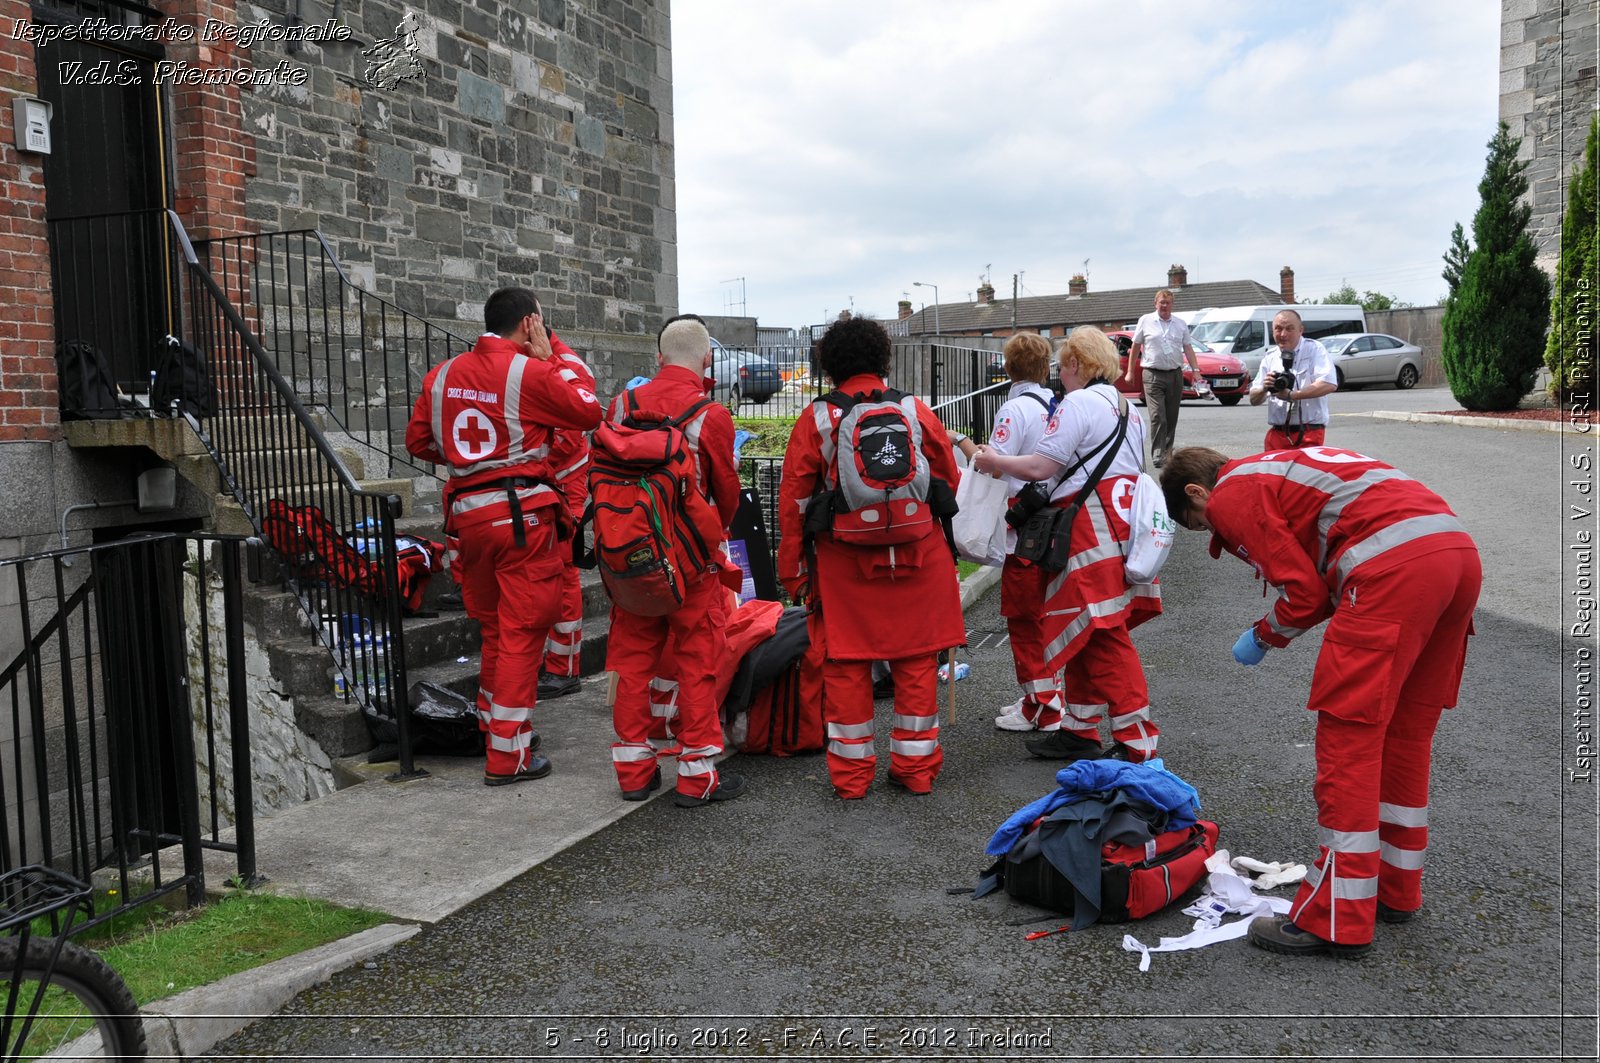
(28, 406)
(214, 153)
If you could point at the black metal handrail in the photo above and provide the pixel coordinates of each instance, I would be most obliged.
(352, 353)
(119, 750)
(268, 447)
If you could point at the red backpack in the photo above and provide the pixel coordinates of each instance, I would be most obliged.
(316, 550)
(654, 529)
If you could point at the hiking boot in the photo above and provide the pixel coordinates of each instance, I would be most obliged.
(536, 768)
(646, 790)
(451, 600)
(1064, 745)
(1276, 934)
(1387, 914)
(916, 789)
(1011, 719)
(557, 686)
(729, 787)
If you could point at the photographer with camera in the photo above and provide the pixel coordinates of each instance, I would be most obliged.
(1072, 613)
(1295, 375)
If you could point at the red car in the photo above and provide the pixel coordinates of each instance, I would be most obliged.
(1223, 372)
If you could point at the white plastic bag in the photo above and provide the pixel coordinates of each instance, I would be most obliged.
(1151, 531)
(980, 526)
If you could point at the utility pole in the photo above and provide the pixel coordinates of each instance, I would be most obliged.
(1016, 285)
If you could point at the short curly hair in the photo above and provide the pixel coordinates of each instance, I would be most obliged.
(852, 347)
(1027, 357)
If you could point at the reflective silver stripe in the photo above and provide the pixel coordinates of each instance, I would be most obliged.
(695, 765)
(1403, 815)
(851, 750)
(568, 627)
(513, 407)
(1087, 713)
(665, 710)
(1038, 686)
(1283, 629)
(490, 497)
(1396, 534)
(437, 412)
(850, 730)
(1314, 876)
(538, 453)
(1404, 859)
(515, 744)
(1348, 841)
(916, 723)
(566, 374)
(513, 713)
(1346, 888)
(1339, 497)
(914, 749)
(561, 649)
(659, 744)
(1145, 743)
(624, 753)
(1129, 718)
(1108, 607)
(658, 683)
(573, 468)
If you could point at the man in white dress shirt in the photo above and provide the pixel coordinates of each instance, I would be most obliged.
(1295, 376)
(1160, 346)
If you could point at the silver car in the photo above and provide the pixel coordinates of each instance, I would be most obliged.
(1374, 358)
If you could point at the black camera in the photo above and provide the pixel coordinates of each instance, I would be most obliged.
(1031, 499)
(1283, 379)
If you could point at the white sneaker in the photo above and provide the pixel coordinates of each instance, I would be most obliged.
(1011, 718)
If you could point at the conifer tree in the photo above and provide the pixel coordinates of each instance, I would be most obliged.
(1574, 321)
(1494, 320)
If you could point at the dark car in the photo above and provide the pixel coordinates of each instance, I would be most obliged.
(742, 377)
(1223, 372)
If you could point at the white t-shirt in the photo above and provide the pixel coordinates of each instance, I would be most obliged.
(1311, 363)
(1019, 424)
(1163, 341)
(1086, 419)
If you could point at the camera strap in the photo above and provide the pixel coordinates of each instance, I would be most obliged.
(1113, 442)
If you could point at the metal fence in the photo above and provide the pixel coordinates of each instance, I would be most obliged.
(125, 741)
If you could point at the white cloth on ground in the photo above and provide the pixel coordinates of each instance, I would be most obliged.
(1225, 891)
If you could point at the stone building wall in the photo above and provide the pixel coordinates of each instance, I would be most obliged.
(535, 148)
(1549, 55)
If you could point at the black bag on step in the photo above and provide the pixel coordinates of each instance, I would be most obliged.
(182, 377)
(86, 386)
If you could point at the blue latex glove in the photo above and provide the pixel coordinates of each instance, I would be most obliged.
(1247, 650)
(740, 438)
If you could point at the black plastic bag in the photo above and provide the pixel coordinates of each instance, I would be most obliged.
(443, 723)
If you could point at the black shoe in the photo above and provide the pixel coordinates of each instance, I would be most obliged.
(451, 600)
(1387, 914)
(883, 689)
(646, 790)
(1064, 745)
(1276, 934)
(729, 787)
(537, 768)
(558, 686)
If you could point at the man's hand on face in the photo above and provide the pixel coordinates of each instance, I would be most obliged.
(537, 344)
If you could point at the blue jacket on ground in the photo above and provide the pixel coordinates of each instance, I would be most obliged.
(1149, 782)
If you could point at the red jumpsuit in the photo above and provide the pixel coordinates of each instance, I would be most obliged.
(636, 643)
(901, 605)
(570, 460)
(491, 415)
(1077, 620)
(1343, 535)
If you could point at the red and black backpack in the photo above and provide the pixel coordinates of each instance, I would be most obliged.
(316, 550)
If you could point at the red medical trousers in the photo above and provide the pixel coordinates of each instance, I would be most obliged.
(513, 592)
(633, 650)
(1391, 662)
(563, 648)
(1281, 438)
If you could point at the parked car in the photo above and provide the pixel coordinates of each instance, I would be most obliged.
(1223, 372)
(1246, 331)
(741, 376)
(1374, 358)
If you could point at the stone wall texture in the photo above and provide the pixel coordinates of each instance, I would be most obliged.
(534, 149)
(1549, 55)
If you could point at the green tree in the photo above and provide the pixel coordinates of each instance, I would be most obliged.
(1494, 320)
(1455, 259)
(1369, 300)
(1574, 325)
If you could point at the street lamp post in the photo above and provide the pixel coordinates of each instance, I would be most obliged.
(935, 287)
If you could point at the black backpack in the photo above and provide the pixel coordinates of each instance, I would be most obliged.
(182, 377)
(86, 385)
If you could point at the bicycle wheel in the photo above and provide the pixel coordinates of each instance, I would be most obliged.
(87, 1011)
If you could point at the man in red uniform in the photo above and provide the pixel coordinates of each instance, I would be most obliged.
(1341, 535)
(900, 603)
(570, 458)
(491, 415)
(695, 628)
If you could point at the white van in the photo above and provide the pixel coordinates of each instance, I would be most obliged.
(1245, 331)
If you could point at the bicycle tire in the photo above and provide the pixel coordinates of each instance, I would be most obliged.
(100, 1003)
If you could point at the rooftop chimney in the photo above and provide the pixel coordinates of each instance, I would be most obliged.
(905, 309)
(1286, 284)
(1078, 285)
(985, 293)
(1177, 276)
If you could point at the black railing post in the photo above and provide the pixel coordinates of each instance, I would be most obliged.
(396, 689)
(244, 813)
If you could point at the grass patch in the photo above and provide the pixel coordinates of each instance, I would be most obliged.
(159, 952)
(966, 568)
(771, 434)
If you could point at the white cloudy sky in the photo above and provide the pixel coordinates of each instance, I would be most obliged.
(831, 152)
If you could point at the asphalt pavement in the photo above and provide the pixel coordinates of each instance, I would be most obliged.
(788, 923)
